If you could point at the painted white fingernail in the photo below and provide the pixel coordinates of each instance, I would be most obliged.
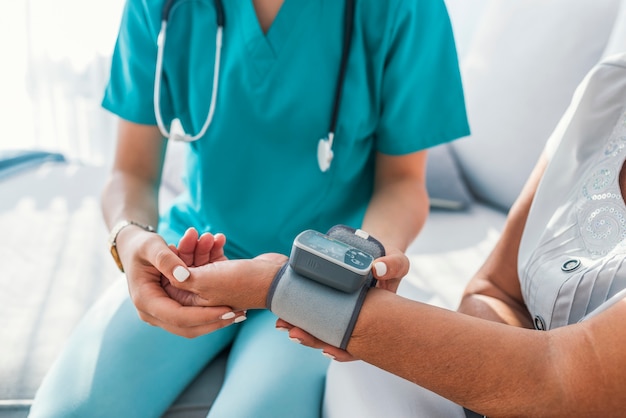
(295, 340)
(282, 329)
(228, 315)
(240, 319)
(181, 274)
(381, 268)
(330, 356)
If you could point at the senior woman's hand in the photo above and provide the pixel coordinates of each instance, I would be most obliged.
(240, 284)
(195, 250)
(216, 281)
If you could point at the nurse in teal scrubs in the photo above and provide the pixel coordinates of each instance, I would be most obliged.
(254, 176)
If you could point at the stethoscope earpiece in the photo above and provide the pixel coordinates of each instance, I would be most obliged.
(177, 133)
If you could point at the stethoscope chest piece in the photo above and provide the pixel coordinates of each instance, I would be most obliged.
(177, 132)
(325, 153)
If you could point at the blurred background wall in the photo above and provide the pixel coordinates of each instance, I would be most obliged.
(55, 61)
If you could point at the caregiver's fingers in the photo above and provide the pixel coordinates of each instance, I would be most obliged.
(392, 266)
(283, 325)
(298, 335)
(152, 258)
(200, 330)
(189, 321)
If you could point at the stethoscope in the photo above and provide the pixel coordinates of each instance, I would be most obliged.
(177, 132)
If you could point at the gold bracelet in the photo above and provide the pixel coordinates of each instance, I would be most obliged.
(113, 238)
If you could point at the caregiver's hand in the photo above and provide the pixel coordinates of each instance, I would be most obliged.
(147, 258)
(194, 250)
(389, 270)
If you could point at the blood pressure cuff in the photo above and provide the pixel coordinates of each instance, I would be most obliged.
(323, 311)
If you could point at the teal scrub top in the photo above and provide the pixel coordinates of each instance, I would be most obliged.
(254, 175)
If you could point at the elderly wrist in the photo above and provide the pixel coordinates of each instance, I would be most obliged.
(264, 283)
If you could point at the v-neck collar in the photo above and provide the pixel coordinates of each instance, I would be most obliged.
(266, 46)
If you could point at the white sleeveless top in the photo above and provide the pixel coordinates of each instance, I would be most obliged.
(572, 257)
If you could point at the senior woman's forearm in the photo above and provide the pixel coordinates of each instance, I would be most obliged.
(488, 367)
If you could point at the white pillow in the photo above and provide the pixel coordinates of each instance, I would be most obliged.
(445, 185)
(520, 72)
(617, 41)
(465, 17)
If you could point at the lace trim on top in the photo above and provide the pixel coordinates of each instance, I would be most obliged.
(601, 210)
(593, 235)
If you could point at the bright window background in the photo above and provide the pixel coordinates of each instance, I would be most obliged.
(54, 59)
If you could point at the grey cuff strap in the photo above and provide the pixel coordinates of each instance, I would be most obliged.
(326, 313)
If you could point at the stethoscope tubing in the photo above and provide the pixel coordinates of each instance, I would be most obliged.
(347, 41)
(159, 70)
(220, 20)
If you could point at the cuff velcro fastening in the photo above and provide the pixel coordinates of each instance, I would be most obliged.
(324, 312)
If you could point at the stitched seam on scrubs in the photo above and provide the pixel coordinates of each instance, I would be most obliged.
(392, 29)
(148, 22)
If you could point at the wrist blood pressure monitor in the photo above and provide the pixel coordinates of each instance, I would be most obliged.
(330, 261)
(323, 285)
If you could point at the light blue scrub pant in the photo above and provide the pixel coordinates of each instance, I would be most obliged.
(115, 365)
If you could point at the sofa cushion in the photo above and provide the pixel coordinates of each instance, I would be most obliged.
(55, 264)
(446, 187)
(520, 71)
(465, 17)
(448, 251)
(15, 161)
(617, 41)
